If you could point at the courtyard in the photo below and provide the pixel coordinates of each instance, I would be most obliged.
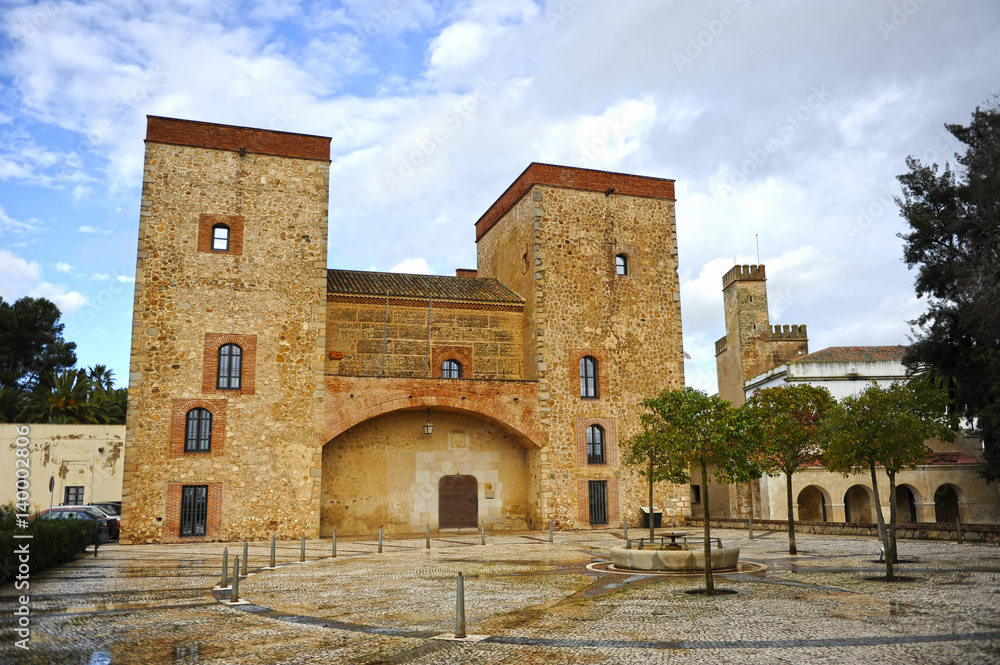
(527, 601)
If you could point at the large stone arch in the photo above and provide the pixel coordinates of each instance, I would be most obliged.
(859, 504)
(949, 499)
(813, 504)
(909, 504)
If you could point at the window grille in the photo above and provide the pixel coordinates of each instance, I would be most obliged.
(451, 369)
(588, 377)
(194, 510)
(598, 501)
(74, 495)
(230, 371)
(198, 431)
(595, 444)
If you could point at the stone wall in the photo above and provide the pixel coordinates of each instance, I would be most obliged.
(271, 295)
(985, 533)
(488, 341)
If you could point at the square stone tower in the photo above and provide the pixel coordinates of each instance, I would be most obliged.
(228, 339)
(594, 255)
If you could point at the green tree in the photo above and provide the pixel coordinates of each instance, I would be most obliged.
(31, 342)
(102, 378)
(11, 404)
(954, 243)
(63, 398)
(887, 428)
(787, 420)
(684, 429)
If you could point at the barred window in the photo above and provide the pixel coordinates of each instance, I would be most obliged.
(220, 238)
(595, 444)
(74, 495)
(451, 369)
(230, 371)
(598, 495)
(588, 377)
(198, 431)
(194, 510)
(621, 265)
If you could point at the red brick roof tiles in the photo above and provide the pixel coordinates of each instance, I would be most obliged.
(860, 354)
(472, 289)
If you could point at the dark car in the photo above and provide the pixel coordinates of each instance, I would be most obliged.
(110, 507)
(81, 513)
(114, 519)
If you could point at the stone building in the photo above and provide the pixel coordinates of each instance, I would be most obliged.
(949, 486)
(269, 394)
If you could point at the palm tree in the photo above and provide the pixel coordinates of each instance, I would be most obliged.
(11, 404)
(63, 398)
(102, 377)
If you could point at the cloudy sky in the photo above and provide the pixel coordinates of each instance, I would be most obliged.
(784, 122)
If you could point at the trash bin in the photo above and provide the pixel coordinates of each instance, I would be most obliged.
(657, 517)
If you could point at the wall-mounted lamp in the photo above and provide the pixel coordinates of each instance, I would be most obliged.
(429, 427)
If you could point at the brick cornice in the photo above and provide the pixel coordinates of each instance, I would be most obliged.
(572, 178)
(195, 134)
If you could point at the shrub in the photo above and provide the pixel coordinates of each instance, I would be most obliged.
(53, 542)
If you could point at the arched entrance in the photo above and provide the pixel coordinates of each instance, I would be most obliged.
(858, 505)
(458, 502)
(906, 505)
(812, 505)
(946, 504)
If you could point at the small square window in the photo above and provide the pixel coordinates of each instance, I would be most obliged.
(74, 495)
(695, 494)
(621, 265)
(220, 238)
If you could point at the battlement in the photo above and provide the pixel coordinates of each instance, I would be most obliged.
(795, 333)
(721, 346)
(743, 274)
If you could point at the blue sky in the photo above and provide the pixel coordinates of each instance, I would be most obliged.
(786, 121)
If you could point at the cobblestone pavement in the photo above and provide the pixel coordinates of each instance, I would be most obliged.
(530, 601)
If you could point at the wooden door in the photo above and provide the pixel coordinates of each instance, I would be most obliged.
(458, 502)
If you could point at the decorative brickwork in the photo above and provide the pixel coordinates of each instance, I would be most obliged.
(610, 441)
(178, 423)
(583, 501)
(227, 137)
(213, 341)
(601, 356)
(463, 354)
(172, 516)
(233, 222)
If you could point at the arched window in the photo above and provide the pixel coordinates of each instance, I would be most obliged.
(451, 369)
(621, 265)
(220, 238)
(588, 377)
(198, 431)
(595, 444)
(230, 369)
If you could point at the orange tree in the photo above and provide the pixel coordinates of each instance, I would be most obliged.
(886, 427)
(787, 419)
(683, 429)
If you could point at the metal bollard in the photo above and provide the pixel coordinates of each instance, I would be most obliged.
(750, 522)
(958, 530)
(97, 538)
(482, 532)
(380, 540)
(302, 552)
(334, 544)
(273, 539)
(625, 527)
(225, 568)
(460, 608)
(428, 545)
(550, 531)
(628, 544)
(245, 557)
(234, 595)
(641, 542)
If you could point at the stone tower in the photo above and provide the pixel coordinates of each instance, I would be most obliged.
(228, 335)
(594, 255)
(751, 345)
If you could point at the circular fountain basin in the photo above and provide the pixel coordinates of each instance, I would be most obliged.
(673, 559)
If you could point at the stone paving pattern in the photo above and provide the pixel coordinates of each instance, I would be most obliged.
(536, 602)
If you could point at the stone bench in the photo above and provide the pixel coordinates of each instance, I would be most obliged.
(673, 559)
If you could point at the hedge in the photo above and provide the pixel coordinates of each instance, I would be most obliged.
(53, 542)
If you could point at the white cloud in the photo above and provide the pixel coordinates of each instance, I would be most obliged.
(86, 228)
(19, 277)
(412, 267)
(10, 225)
(63, 267)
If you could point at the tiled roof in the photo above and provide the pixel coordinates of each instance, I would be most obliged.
(474, 289)
(860, 354)
(951, 458)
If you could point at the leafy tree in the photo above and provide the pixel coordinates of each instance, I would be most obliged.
(31, 342)
(954, 242)
(11, 404)
(683, 429)
(102, 378)
(886, 427)
(787, 420)
(63, 398)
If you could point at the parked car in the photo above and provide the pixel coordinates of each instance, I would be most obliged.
(81, 513)
(114, 519)
(110, 507)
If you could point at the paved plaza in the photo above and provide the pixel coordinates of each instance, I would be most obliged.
(527, 601)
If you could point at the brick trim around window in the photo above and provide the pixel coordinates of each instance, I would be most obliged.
(235, 224)
(610, 440)
(178, 425)
(463, 354)
(583, 501)
(213, 524)
(210, 363)
(601, 356)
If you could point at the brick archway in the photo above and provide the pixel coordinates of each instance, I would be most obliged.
(510, 405)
